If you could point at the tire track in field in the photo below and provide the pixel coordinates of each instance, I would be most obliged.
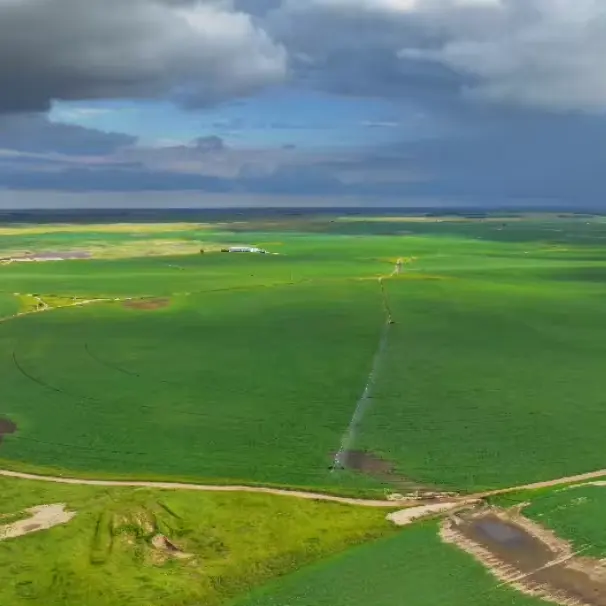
(107, 364)
(120, 369)
(78, 400)
(46, 385)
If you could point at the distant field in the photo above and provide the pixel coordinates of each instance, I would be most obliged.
(105, 555)
(412, 568)
(248, 367)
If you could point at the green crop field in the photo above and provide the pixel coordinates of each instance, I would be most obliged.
(250, 367)
(105, 555)
(412, 568)
(254, 385)
(9, 305)
(480, 375)
(575, 514)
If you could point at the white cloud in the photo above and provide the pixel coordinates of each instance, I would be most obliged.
(74, 49)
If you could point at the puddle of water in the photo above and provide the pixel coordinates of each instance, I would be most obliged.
(537, 564)
(500, 532)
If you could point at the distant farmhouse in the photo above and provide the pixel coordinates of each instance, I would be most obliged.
(245, 249)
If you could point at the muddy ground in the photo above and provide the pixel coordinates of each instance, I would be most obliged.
(147, 304)
(518, 555)
(6, 427)
(367, 463)
(373, 465)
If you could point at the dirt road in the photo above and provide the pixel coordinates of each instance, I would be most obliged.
(583, 477)
(205, 488)
(299, 494)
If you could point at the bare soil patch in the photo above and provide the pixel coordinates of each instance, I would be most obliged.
(526, 556)
(381, 469)
(403, 517)
(6, 427)
(147, 304)
(167, 548)
(366, 462)
(40, 518)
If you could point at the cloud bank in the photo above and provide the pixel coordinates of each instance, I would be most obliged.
(520, 85)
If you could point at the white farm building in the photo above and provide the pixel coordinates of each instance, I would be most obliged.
(246, 249)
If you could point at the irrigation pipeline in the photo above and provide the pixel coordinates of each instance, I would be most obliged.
(365, 400)
(362, 404)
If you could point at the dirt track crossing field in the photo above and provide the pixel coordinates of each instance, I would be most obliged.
(203, 487)
(586, 477)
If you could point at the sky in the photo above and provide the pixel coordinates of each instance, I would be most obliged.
(302, 102)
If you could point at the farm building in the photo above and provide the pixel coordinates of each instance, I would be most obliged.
(246, 249)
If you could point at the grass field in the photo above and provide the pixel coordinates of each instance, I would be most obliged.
(575, 514)
(105, 557)
(412, 568)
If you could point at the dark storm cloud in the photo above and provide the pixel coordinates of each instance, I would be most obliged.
(200, 52)
(306, 181)
(535, 53)
(35, 133)
(518, 86)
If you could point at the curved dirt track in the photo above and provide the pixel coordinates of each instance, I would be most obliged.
(299, 494)
(582, 477)
(202, 487)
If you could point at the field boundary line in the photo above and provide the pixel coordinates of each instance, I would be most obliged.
(48, 308)
(578, 478)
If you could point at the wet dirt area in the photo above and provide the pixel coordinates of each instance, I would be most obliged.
(6, 427)
(367, 463)
(527, 562)
(373, 465)
(148, 304)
